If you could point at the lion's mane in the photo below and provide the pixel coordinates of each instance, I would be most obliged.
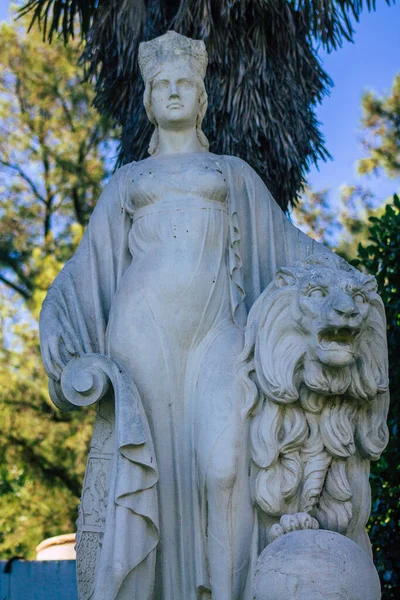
(308, 419)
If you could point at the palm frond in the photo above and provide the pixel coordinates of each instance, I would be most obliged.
(60, 16)
(264, 78)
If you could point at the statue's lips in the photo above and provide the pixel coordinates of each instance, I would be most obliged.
(337, 338)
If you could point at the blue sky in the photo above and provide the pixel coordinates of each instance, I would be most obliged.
(368, 64)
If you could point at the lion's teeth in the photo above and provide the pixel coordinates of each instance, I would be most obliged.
(332, 345)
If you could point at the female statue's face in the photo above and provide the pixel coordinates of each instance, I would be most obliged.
(175, 96)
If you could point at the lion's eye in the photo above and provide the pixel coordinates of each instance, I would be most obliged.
(317, 293)
(359, 298)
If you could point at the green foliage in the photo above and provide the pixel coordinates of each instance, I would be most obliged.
(53, 152)
(53, 147)
(342, 227)
(382, 258)
(42, 451)
(314, 215)
(381, 123)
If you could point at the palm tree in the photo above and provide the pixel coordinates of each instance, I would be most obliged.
(264, 78)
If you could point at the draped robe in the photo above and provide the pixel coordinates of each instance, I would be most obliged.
(118, 526)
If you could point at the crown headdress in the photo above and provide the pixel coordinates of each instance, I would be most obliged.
(168, 47)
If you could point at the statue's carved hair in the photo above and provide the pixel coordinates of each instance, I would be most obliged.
(309, 419)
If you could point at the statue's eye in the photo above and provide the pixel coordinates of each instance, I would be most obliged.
(160, 85)
(359, 298)
(185, 83)
(317, 293)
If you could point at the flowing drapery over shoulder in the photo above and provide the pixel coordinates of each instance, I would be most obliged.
(82, 293)
(261, 239)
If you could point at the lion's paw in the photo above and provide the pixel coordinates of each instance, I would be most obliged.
(289, 523)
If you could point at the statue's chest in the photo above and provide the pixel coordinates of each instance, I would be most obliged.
(168, 180)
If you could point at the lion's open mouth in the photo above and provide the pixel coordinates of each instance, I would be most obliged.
(337, 338)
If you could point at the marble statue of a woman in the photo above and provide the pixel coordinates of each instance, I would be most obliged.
(178, 248)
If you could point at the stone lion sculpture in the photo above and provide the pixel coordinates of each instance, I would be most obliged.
(315, 368)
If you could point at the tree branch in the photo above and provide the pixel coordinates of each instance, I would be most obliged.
(66, 111)
(80, 215)
(25, 177)
(15, 287)
(13, 264)
(47, 180)
(91, 141)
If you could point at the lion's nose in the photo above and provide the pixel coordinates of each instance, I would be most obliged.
(345, 308)
(347, 312)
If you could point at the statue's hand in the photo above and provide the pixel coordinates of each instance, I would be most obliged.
(290, 523)
(58, 343)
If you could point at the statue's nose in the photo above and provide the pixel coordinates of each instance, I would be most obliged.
(345, 307)
(173, 89)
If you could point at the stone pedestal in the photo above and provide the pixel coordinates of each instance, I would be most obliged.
(60, 547)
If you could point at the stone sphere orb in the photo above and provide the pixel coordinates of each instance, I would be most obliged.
(315, 565)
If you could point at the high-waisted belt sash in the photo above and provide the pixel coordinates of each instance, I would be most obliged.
(192, 204)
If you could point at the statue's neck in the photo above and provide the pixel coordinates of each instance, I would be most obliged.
(178, 142)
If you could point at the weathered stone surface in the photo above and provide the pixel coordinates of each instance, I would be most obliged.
(316, 350)
(315, 565)
(149, 320)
